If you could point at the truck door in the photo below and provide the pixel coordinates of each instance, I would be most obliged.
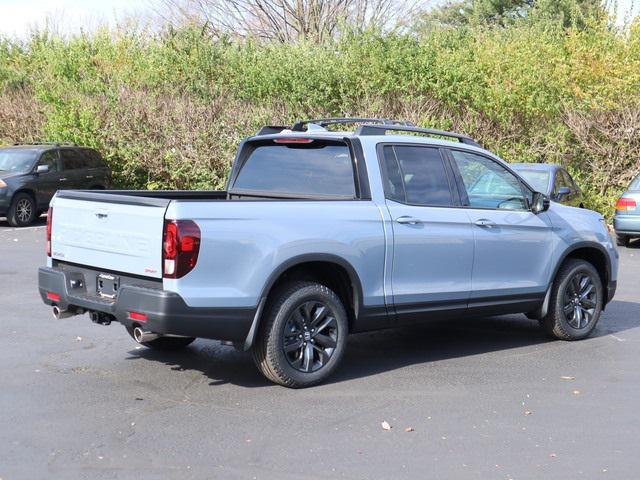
(512, 244)
(432, 236)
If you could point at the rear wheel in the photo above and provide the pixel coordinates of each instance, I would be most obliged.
(303, 335)
(22, 211)
(622, 240)
(165, 343)
(576, 301)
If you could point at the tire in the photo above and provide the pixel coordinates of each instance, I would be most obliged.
(22, 211)
(309, 321)
(622, 240)
(563, 321)
(165, 343)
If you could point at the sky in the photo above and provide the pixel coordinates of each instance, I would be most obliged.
(17, 17)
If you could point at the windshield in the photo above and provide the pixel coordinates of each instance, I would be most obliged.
(539, 180)
(635, 184)
(16, 160)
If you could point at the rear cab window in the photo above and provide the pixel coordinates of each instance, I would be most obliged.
(317, 169)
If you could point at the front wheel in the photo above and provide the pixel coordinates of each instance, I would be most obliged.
(576, 301)
(302, 336)
(22, 211)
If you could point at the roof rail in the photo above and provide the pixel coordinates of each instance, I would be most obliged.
(323, 122)
(382, 129)
(55, 144)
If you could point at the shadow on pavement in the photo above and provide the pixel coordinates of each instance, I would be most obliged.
(38, 222)
(386, 350)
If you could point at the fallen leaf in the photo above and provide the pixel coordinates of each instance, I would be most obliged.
(78, 339)
(385, 425)
(408, 429)
(567, 377)
(552, 455)
(577, 392)
(528, 412)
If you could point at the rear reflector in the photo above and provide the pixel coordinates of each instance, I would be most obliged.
(293, 140)
(626, 204)
(53, 296)
(141, 317)
(49, 229)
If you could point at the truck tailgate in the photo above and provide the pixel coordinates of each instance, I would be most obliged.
(109, 231)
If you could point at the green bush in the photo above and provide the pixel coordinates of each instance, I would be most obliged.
(168, 109)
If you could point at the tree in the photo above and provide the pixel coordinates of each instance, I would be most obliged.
(287, 20)
(500, 12)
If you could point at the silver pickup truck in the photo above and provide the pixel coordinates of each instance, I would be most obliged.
(322, 233)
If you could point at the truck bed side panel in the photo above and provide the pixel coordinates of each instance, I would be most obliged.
(243, 243)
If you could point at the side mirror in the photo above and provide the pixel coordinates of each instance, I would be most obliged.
(563, 192)
(42, 169)
(540, 203)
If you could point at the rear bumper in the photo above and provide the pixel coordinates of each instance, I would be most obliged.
(627, 224)
(166, 311)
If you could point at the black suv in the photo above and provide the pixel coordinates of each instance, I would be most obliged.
(30, 174)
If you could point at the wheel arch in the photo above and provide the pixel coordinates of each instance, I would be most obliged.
(593, 253)
(331, 270)
(28, 191)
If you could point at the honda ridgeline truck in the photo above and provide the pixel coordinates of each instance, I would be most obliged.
(323, 233)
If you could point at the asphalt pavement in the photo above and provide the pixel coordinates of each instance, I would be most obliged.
(482, 399)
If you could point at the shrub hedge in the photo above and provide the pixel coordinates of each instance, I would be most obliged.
(168, 108)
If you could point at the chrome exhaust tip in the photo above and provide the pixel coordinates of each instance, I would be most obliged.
(142, 336)
(59, 314)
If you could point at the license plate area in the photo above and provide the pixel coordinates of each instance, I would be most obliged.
(107, 285)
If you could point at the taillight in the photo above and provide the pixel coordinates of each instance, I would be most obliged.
(180, 247)
(49, 229)
(626, 204)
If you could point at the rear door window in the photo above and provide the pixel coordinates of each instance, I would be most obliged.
(318, 168)
(416, 175)
(93, 158)
(72, 159)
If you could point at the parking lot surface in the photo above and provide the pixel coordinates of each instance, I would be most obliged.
(484, 398)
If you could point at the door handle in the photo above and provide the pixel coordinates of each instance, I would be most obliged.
(63, 179)
(406, 220)
(89, 177)
(484, 222)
